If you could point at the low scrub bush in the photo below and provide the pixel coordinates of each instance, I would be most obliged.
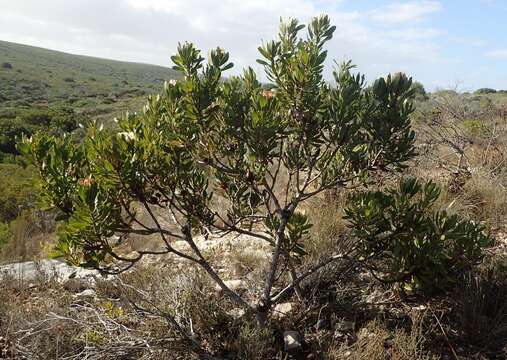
(419, 91)
(205, 138)
(476, 127)
(402, 240)
(485, 91)
(27, 121)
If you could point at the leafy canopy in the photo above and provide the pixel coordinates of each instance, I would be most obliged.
(417, 246)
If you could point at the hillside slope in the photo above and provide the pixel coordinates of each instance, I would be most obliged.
(32, 76)
(54, 92)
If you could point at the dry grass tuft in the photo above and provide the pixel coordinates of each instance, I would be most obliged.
(329, 229)
(31, 240)
(376, 342)
(481, 308)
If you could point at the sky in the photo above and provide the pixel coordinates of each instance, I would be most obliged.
(459, 44)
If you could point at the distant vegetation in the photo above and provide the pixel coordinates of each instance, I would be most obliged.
(53, 92)
(485, 91)
(419, 91)
(36, 77)
(20, 121)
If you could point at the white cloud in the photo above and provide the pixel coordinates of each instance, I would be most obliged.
(467, 40)
(149, 30)
(406, 12)
(411, 34)
(500, 54)
(240, 25)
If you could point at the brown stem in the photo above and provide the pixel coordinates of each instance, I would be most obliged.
(282, 293)
(275, 259)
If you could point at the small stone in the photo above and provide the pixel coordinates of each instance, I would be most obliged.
(236, 313)
(30, 271)
(234, 285)
(282, 310)
(86, 293)
(292, 341)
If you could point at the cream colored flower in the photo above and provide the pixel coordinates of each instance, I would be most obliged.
(268, 94)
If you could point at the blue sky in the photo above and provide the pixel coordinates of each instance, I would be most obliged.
(444, 44)
(468, 37)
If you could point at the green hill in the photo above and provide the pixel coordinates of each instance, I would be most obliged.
(46, 90)
(35, 77)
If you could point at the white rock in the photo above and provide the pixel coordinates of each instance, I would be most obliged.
(86, 293)
(234, 285)
(292, 340)
(31, 270)
(282, 310)
(236, 313)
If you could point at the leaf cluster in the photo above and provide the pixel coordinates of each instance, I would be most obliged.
(403, 240)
